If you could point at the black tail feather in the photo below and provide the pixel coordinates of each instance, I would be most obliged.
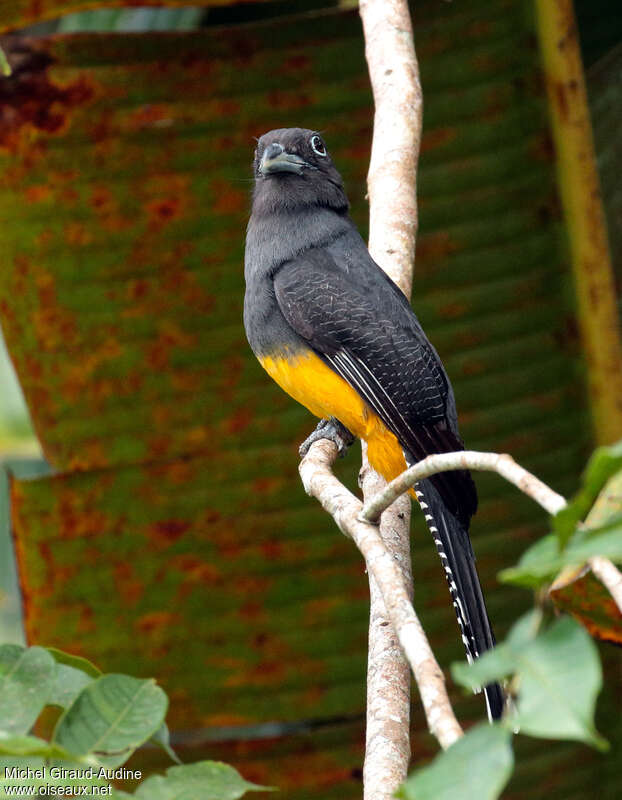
(452, 541)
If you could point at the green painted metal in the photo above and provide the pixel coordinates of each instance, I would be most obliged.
(175, 539)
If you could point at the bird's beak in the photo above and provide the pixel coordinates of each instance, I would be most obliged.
(276, 159)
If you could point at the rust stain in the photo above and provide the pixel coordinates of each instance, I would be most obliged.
(38, 193)
(197, 437)
(265, 485)
(469, 338)
(163, 210)
(86, 621)
(166, 198)
(288, 101)
(473, 367)
(296, 62)
(433, 247)
(196, 573)
(272, 550)
(80, 377)
(225, 719)
(107, 209)
(479, 28)
(453, 310)
(228, 199)
(319, 609)
(170, 337)
(77, 519)
(77, 234)
(29, 99)
(437, 137)
(166, 532)
(226, 107)
(157, 622)
(239, 420)
(232, 369)
(90, 456)
(149, 116)
(186, 381)
(53, 327)
(129, 587)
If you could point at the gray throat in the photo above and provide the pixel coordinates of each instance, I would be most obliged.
(277, 237)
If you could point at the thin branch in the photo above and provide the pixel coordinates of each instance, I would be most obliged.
(609, 576)
(345, 508)
(501, 463)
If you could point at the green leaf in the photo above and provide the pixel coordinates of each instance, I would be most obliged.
(538, 564)
(26, 680)
(30, 746)
(111, 717)
(162, 739)
(499, 662)
(558, 675)
(76, 662)
(544, 560)
(476, 767)
(68, 684)
(604, 462)
(209, 780)
(73, 673)
(603, 541)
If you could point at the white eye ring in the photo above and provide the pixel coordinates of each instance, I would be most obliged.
(317, 145)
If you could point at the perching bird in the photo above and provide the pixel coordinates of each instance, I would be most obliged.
(332, 329)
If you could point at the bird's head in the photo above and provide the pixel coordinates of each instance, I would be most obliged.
(293, 169)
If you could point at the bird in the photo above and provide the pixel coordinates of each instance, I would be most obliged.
(340, 337)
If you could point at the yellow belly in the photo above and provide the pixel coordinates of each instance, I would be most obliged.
(307, 379)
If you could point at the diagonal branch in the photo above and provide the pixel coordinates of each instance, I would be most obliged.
(501, 463)
(345, 508)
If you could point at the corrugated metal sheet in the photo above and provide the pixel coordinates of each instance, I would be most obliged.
(176, 539)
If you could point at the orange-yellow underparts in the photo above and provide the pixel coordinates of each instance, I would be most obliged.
(307, 379)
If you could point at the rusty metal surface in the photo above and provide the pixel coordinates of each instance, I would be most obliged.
(15, 14)
(585, 220)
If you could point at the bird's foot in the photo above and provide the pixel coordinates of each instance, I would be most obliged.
(330, 429)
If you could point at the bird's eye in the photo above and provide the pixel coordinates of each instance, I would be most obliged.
(317, 145)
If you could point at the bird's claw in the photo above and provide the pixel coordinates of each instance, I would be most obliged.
(330, 429)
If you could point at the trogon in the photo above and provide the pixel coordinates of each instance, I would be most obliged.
(332, 329)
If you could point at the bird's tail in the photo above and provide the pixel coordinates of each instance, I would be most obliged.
(454, 548)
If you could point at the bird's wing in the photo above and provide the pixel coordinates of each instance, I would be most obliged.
(375, 344)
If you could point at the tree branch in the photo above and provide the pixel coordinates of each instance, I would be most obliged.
(345, 508)
(501, 463)
(391, 182)
(387, 733)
